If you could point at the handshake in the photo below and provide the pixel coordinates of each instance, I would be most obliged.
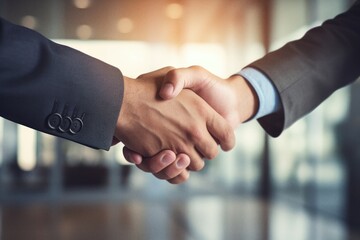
(172, 119)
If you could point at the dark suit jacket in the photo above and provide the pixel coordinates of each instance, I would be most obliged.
(305, 72)
(56, 89)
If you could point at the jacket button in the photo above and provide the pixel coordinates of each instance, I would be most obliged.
(65, 124)
(54, 120)
(76, 126)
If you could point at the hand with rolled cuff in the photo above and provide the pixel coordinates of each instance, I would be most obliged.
(233, 98)
(184, 125)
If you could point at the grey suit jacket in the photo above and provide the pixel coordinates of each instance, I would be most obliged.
(305, 72)
(56, 89)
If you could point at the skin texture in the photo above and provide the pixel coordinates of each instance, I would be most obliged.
(233, 98)
(184, 125)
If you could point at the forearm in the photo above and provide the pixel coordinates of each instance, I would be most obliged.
(305, 72)
(37, 73)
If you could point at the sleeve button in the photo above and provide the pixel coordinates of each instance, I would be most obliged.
(54, 120)
(76, 126)
(65, 124)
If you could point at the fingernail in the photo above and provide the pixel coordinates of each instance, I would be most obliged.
(182, 163)
(168, 88)
(166, 159)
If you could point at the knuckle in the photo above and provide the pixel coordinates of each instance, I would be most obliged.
(196, 68)
(172, 75)
(204, 110)
(168, 68)
(202, 72)
(195, 134)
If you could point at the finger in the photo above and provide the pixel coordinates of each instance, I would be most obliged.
(131, 156)
(143, 167)
(183, 177)
(157, 73)
(205, 144)
(158, 162)
(222, 131)
(174, 169)
(197, 162)
(194, 78)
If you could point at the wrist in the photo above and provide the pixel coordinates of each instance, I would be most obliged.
(247, 99)
(122, 120)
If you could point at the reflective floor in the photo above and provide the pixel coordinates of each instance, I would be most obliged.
(198, 217)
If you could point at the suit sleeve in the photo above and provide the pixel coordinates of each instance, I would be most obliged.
(57, 90)
(307, 71)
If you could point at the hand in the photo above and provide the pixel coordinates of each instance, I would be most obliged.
(165, 165)
(185, 124)
(233, 98)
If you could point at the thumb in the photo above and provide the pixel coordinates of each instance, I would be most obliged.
(155, 74)
(194, 78)
(131, 156)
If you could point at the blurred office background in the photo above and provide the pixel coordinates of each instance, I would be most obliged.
(302, 185)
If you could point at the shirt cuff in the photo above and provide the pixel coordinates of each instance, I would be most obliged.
(269, 99)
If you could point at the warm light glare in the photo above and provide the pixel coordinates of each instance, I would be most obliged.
(84, 32)
(29, 22)
(82, 4)
(137, 54)
(174, 11)
(26, 150)
(144, 57)
(209, 55)
(125, 25)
